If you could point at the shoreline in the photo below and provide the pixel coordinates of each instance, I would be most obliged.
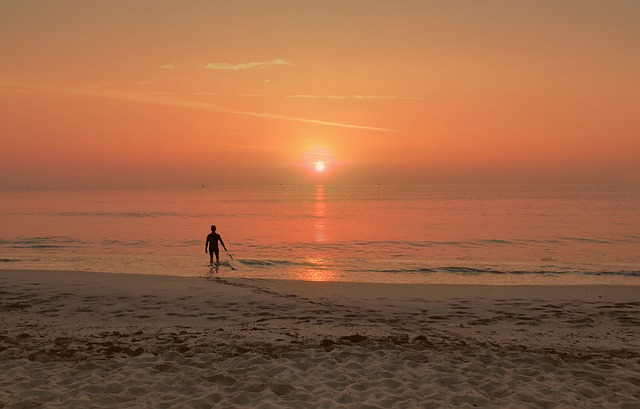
(483, 279)
(112, 339)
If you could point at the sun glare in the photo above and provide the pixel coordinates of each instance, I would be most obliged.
(318, 162)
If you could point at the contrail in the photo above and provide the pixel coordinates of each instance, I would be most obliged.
(311, 96)
(159, 100)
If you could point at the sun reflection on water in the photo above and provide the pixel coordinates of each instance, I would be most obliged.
(321, 270)
(320, 216)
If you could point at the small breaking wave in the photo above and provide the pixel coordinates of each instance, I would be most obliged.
(476, 271)
(273, 263)
(46, 242)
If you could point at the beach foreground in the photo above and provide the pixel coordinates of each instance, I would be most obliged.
(73, 339)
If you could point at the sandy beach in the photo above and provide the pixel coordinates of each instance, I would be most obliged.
(76, 340)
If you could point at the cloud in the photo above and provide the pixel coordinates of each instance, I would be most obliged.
(245, 66)
(354, 97)
(157, 99)
(168, 67)
(303, 96)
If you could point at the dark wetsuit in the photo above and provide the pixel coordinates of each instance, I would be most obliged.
(212, 243)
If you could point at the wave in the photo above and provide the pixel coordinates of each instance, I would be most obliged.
(274, 263)
(342, 248)
(490, 271)
(479, 243)
(125, 215)
(375, 266)
(45, 242)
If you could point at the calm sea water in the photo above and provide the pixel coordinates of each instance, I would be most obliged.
(432, 234)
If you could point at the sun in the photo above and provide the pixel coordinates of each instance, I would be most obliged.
(318, 162)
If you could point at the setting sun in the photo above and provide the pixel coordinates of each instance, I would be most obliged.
(320, 166)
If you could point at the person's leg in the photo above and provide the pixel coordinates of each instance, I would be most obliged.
(217, 256)
(210, 257)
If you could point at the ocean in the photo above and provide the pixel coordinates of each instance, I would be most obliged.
(470, 234)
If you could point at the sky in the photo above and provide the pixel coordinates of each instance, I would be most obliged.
(188, 93)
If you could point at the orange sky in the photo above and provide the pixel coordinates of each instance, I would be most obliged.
(154, 92)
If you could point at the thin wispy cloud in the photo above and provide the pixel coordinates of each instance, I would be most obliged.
(353, 97)
(173, 102)
(303, 96)
(223, 66)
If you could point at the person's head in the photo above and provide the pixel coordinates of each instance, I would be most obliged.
(213, 227)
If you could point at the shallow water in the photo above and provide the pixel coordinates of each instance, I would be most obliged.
(465, 234)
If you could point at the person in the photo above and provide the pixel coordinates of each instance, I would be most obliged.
(211, 245)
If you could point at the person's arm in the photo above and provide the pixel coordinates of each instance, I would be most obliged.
(206, 244)
(222, 242)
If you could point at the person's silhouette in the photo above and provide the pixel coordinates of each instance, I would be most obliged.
(211, 245)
